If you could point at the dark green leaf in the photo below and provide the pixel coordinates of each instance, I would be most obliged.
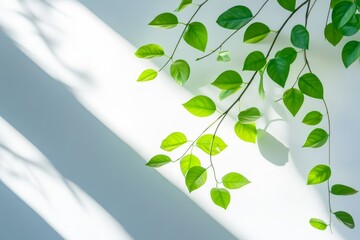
(310, 84)
(228, 80)
(313, 118)
(300, 37)
(289, 54)
(220, 197)
(317, 138)
(278, 70)
(188, 162)
(256, 32)
(342, 13)
(180, 71)
(288, 4)
(339, 189)
(204, 143)
(246, 132)
(332, 34)
(226, 93)
(223, 56)
(254, 61)
(183, 4)
(319, 174)
(195, 178)
(334, 2)
(249, 115)
(345, 218)
(234, 180)
(261, 89)
(293, 100)
(165, 20)
(351, 27)
(173, 141)
(196, 36)
(200, 106)
(350, 53)
(150, 51)
(158, 161)
(318, 224)
(235, 17)
(147, 75)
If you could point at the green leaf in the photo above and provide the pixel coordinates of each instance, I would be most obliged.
(173, 141)
(200, 106)
(310, 84)
(256, 32)
(313, 118)
(249, 115)
(345, 218)
(351, 27)
(228, 80)
(188, 162)
(318, 224)
(204, 143)
(293, 100)
(165, 20)
(317, 138)
(196, 36)
(289, 54)
(220, 197)
(254, 61)
(350, 53)
(180, 71)
(278, 70)
(300, 37)
(342, 13)
(223, 56)
(195, 178)
(183, 4)
(158, 161)
(332, 34)
(334, 2)
(235, 17)
(261, 89)
(339, 189)
(246, 132)
(150, 51)
(147, 75)
(319, 174)
(234, 180)
(226, 93)
(288, 4)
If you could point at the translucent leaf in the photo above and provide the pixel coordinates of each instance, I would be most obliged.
(196, 36)
(223, 56)
(261, 89)
(234, 180)
(249, 115)
(150, 51)
(319, 174)
(183, 4)
(173, 141)
(289, 54)
(278, 70)
(228, 80)
(318, 224)
(204, 143)
(313, 118)
(226, 93)
(254, 61)
(235, 17)
(158, 161)
(188, 162)
(195, 178)
(147, 75)
(300, 37)
(288, 4)
(256, 32)
(221, 197)
(339, 189)
(342, 13)
(293, 100)
(180, 71)
(200, 106)
(345, 218)
(165, 20)
(350, 53)
(246, 132)
(310, 85)
(317, 138)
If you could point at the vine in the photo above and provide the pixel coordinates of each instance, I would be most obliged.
(345, 22)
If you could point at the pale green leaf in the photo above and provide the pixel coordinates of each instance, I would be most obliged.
(249, 115)
(256, 32)
(319, 174)
(173, 141)
(313, 118)
(318, 224)
(165, 20)
(317, 138)
(293, 100)
(196, 36)
(209, 142)
(200, 106)
(339, 189)
(228, 80)
(180, 71)
(234, 180)
(195, 178)
(254, 61)
(158, 161)
(345, 218)
(223, 56)
(310, 84)
(226, 93)
(150, 51)
(235, 17)
(183, 4)
(147, 75)
(221, 197)
(188, 162)
(246, 132)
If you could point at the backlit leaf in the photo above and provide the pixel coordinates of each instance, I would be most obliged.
(147, 75)
(339, 189)
(173, 141)
(254, 61)
(158, 161)
(256, 32)
(196, 36)
(249, 115)
(319, 174)
(345, 218)
(150, 51)
(188, 162)
(223, 56)
(234, 180)
(317, 138)
(180, 71)
(205, 141)
(313, 118)
(318, 224)
(300, 37)
(183, 4)
(350, 53)
(310, 84)
(200, 106)
(228, 80)
(293, 100)
(195, 178)
(278, 70)
(246, 132)
(235, 17)
(221, 197)
(226, 93)
(165, 20)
